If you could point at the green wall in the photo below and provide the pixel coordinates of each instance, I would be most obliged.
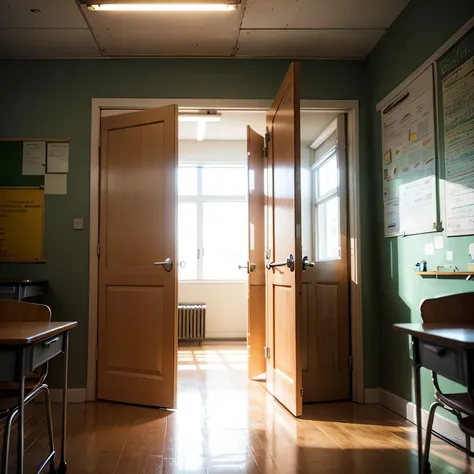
(53, 99)
(420, 30)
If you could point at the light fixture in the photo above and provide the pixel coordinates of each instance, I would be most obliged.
(199, 117)
(201, 130)
(184, 6)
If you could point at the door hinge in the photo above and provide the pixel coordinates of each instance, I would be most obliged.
(98, 249)
(351, 363)
(266, 352)
(265, 146)
(97, 354)
(301, 391)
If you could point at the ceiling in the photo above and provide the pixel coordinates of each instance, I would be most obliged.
(233, 125)
(258, 28)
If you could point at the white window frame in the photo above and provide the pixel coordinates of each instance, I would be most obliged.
(200, 199)
(318, 201)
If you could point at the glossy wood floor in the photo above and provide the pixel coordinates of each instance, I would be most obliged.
(226, 424)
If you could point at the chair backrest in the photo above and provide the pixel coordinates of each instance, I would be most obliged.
(451, 309)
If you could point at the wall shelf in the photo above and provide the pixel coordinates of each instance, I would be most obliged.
(466, 275)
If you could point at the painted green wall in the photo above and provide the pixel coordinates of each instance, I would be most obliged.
(420, 30)
(53, 99)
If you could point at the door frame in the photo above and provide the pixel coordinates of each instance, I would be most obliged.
(351, 107)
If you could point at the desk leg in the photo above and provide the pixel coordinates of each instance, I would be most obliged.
(416, 377)
(21, 415)
(62, 463)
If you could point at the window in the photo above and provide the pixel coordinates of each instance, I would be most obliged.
(212, 222)
(326, 208)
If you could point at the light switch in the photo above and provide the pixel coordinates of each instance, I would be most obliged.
(449, 256)
(78, 223)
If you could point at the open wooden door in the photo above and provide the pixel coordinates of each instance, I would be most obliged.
(326, 318)
(256, 262)
(137, 272)
(284, 267)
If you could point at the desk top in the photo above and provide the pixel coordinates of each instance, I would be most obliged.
(448, 334)
(20, 281)
(21, 334)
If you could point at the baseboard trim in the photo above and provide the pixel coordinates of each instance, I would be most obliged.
(406, 409)
(74, 395)
(372, 395)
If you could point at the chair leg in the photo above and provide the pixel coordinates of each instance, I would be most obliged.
(6, 440)
(429, 428)
(468, 447)
(49, 420)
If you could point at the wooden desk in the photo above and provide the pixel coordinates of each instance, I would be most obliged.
(19, 289)
(23, 348)
(445, 349)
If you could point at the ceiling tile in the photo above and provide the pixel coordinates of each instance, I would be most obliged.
(165, 34)
(47, 43)
(343, 14)
(53, 14)
(307, 43)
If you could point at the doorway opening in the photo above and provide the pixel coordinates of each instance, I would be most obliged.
(197, 166)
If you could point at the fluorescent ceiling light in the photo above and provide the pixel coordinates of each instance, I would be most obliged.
(163, 7)
(201, 130)
(199, 118)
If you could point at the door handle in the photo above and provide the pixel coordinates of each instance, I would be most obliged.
(290, 263)
(167, 264)
(250, 268)
(307, 263)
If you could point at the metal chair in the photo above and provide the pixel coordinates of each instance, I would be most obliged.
(19, 311)
(456, 310)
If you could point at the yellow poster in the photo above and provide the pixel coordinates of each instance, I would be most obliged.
(21, 225)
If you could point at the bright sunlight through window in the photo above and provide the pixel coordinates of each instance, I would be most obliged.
(212, 222)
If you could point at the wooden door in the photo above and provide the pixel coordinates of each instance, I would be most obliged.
(137, 284)
(283, 284)
(256, 262)
(326, 319)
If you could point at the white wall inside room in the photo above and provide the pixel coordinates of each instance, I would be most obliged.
(226, 306)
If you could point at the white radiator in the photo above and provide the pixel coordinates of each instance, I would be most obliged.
(191, 322)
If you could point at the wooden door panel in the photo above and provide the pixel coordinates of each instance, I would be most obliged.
(283, 284)
(256, 280)
(126, 171)
(256, 330)
(137, 297)
(326, 330)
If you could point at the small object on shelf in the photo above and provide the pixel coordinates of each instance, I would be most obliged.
(447, 268)
(420, 266)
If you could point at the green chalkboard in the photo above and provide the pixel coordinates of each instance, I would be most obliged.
(455, 72)
(11, 162)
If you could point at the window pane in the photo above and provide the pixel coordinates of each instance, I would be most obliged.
(187, 241)
(328, 234)
(327, 176)
(225, 240)
(224, 181)
(187, 181)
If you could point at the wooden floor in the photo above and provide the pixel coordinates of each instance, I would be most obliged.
(226, 424)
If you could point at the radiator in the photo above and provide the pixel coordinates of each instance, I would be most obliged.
(191, 322)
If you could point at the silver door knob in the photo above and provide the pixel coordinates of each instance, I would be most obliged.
(167, 264)
(250, 268)
(307, 263)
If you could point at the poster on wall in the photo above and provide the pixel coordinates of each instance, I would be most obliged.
(409, 160)
(456, 73)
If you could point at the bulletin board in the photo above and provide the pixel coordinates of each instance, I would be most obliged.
(456, 115)
(21, 224)
(409, 160)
